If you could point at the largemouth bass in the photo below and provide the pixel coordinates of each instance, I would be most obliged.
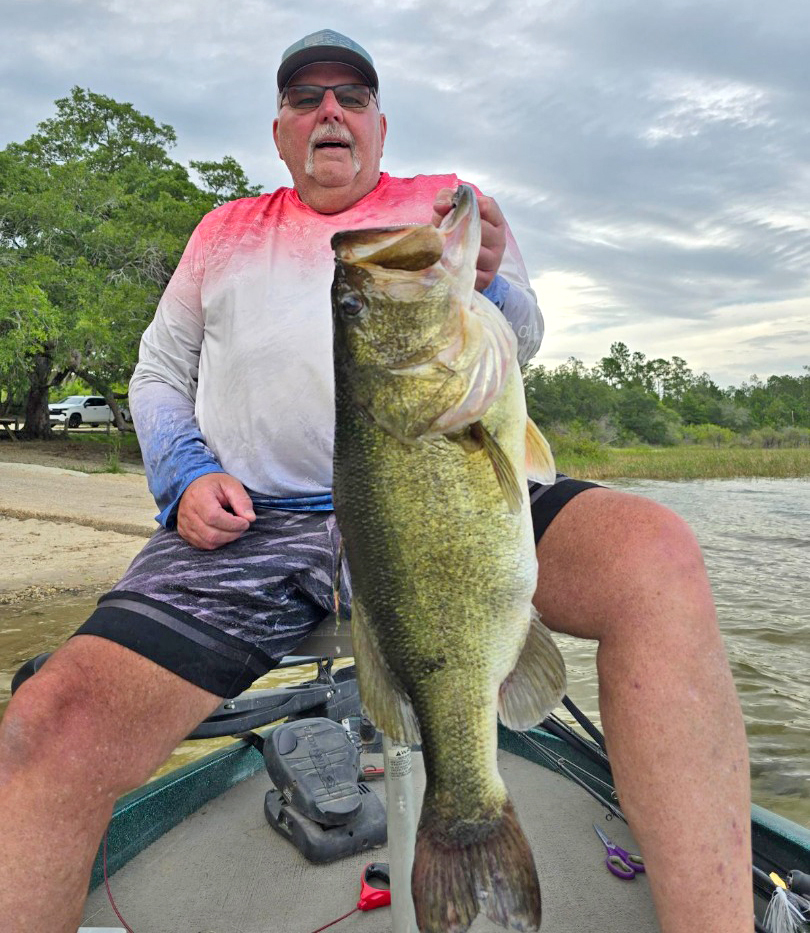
(432, 451)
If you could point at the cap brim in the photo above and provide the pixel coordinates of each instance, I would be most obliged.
(323, 53)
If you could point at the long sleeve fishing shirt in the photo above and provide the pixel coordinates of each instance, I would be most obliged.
(235, 372)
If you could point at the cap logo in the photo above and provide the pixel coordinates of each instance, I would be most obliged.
(327, 37)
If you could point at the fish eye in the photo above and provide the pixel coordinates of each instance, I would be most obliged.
(351, 305)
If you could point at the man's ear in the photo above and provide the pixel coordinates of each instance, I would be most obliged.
(383, 131)
(275, 138)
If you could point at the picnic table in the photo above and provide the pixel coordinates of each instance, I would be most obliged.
(6, 423)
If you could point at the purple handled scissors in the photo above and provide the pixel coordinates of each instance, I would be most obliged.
(621, 863)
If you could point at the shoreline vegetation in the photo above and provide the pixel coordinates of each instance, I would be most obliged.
(686, 463)
(629, 417)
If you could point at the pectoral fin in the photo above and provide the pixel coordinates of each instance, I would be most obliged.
(539, 458)
(388, 705)
(537, 683)
(504, 471)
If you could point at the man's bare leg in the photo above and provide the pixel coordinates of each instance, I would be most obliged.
(95, 722)
(628, 572)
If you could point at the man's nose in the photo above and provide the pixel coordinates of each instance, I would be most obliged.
(330, 109)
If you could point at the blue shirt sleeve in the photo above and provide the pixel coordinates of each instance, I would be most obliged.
(174, 451)
(519, 307)
(496, 291)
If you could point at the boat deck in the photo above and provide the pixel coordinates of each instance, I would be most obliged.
(224, 870)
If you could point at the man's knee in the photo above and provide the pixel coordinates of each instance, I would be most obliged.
(96, 710)
(611, 560)
(53, 726)
(658, 549)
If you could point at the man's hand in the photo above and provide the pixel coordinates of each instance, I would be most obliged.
(493, 234)
(202, 519)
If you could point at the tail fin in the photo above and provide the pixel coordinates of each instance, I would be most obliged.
(492, 870)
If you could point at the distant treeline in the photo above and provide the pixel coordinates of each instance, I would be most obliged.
(626, 399)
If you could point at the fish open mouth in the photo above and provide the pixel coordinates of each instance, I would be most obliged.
(406, 248)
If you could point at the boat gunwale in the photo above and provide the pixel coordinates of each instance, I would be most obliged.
(171, 798)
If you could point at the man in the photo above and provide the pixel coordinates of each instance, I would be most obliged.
(232, 399)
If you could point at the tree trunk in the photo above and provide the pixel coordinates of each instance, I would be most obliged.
(37, 418)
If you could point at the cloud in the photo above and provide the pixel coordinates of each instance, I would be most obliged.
(650, 158)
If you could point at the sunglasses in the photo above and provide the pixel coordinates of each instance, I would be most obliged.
(309, 96)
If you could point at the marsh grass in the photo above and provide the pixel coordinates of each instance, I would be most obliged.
(672, 463)
(112, 456)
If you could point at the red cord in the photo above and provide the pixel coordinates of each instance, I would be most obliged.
(333, 922)
(127, 927)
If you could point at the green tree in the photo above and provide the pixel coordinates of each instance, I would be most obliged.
(678, 379)
(642, 414)
(568, 393)
(94, 215)
(225, 180)
(657, 374)
(615, 368)
(652, 399)
(701, 402)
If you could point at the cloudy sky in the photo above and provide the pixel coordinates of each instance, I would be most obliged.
(651, 157)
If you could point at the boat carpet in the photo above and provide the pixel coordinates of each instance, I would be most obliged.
(224, 870)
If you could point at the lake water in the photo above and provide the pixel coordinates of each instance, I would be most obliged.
(755, 536)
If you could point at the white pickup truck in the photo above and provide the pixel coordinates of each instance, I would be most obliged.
(83, 409)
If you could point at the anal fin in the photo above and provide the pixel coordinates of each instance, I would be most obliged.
(388, 705)
(537, 683)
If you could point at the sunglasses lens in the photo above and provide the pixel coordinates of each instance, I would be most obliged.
(303, 97)
(308, 97)
(353, 96)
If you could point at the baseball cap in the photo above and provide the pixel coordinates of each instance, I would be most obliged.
(326, 45)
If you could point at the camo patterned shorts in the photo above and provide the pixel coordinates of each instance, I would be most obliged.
(220, 619)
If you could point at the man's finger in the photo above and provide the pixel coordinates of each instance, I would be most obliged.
(493, 242)
(216, 539)
(207, 517)
(208, 539)
(489, 260)
(441, 205)
(489, 211)
(211, 529)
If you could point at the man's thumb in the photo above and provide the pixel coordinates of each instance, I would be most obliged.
(239, 500)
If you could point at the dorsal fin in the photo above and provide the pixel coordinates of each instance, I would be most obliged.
(539, 458)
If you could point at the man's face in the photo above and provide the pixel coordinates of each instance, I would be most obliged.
(333, 153)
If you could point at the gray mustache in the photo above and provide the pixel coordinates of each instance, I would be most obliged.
(325, 131)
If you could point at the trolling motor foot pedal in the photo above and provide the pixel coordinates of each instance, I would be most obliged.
(320, 843)
(318, 804)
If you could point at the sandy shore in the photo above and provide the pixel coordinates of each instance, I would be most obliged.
(62, 531)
